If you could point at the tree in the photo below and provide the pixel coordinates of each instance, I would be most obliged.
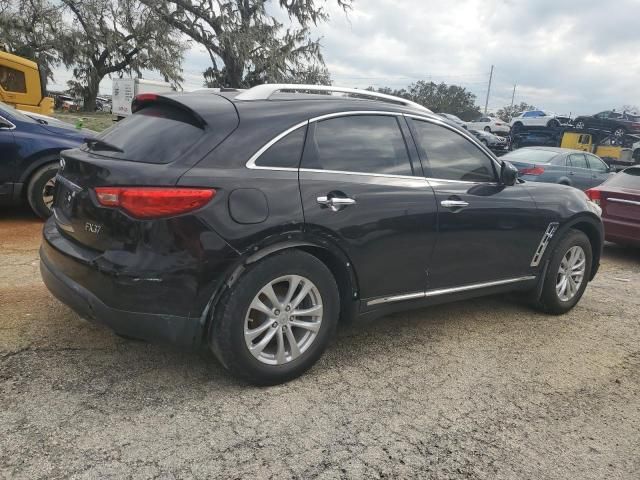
(506, 113)
(247, 45)
(118, 36)
(440, 97)
(34, 29)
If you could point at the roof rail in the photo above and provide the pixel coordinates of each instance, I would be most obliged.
(264, 92)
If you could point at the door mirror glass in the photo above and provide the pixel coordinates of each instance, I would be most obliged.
(508, 174)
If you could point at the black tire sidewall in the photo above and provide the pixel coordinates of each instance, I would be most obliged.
(36, 184)
(227, 335)
(549, 299)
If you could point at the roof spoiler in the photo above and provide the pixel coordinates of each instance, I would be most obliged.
(144, 99)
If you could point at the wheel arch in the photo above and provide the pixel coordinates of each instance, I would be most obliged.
(38, 160)
(591, 226)
(331, 255)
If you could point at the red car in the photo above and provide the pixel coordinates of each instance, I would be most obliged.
(619, 198)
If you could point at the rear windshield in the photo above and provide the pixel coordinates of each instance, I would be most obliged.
(155, 134)
(531, 155)
(629, 178)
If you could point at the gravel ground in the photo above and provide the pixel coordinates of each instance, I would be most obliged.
(478, 389)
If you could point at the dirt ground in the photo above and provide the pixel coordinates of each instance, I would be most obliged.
(478, 389)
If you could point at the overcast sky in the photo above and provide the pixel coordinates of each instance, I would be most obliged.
(578, 56)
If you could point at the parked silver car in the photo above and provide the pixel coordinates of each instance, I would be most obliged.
(559, 165)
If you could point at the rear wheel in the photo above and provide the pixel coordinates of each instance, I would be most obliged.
(579, 125)
(553, 123)
(487, 129)
(277, 320)
(40, 189)
(567, 275)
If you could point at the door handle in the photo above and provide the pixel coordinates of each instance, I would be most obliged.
(454, 203)
(336, 203)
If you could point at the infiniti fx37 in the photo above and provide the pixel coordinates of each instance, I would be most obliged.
(254, 222)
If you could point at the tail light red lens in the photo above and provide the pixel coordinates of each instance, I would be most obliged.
(594, 195)
(532, 171)
(154, 202)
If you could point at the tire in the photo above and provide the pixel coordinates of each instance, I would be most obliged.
(553, 123)
(551, 300)
(40, 189)
(579, 125)
(619, 132)
(235, 314)
(487, 129)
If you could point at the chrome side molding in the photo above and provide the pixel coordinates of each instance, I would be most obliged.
(544, 242)
(446, 291)
(622, 200)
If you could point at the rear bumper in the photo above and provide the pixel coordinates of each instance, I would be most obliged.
(174, 329)
(141, 294)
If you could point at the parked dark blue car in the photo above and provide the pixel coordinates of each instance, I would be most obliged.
(29, 157)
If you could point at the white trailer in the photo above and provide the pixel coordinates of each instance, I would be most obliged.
(125, 89)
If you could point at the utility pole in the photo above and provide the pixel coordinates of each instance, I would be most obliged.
(513, 97)
(486, 104)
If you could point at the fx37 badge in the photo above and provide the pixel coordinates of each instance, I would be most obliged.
(92, 228)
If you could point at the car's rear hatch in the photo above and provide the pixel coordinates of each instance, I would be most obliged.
(152, 148)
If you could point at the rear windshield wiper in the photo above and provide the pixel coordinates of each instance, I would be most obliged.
(95, 144)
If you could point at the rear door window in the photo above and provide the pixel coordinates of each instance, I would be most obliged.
(596, 164)
(359, 143)
(155, 134)
(578, 161)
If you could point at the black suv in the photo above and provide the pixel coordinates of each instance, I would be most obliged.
(253, 222)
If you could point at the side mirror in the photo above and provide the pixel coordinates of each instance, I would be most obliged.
(5, 125)
(508, 174)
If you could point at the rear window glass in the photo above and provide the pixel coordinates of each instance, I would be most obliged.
(155, 134)
(531, 155)
(629, 178)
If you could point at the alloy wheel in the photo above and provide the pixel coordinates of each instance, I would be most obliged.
(283, 320)
(571, 273)
(47, 192)
(579, 125)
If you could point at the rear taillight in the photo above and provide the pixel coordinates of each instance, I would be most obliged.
(532, 171)
(594, 195)
(154, 202)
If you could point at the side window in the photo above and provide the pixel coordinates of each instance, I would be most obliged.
(286, 152)
(596, 164)
(450, 156)
(578, 161)
(12, 80)
(359, 143)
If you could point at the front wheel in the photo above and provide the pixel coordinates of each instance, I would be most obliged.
(41, 188)
(579, 125)
(487, 129)
(619, 132)
(568, 273)
(277, 320)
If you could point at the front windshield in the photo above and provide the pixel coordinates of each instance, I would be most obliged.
(531, 155)
(7, 110)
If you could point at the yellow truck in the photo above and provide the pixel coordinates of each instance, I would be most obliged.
(21, 85)
(615, 151)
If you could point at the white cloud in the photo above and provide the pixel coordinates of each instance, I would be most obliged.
(567, 56)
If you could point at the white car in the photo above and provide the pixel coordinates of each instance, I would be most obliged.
(489, 124)
(454, 119)
(538, 118)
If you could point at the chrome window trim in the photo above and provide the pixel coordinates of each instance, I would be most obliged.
(341, 172)
(251, 163)
(544, 243)
(622, 200)
(12, 127)
(445, 291)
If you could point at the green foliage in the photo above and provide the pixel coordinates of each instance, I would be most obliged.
(506, 113)
(34, 29)
(246, 43)
(118, 37)
(440, 98)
